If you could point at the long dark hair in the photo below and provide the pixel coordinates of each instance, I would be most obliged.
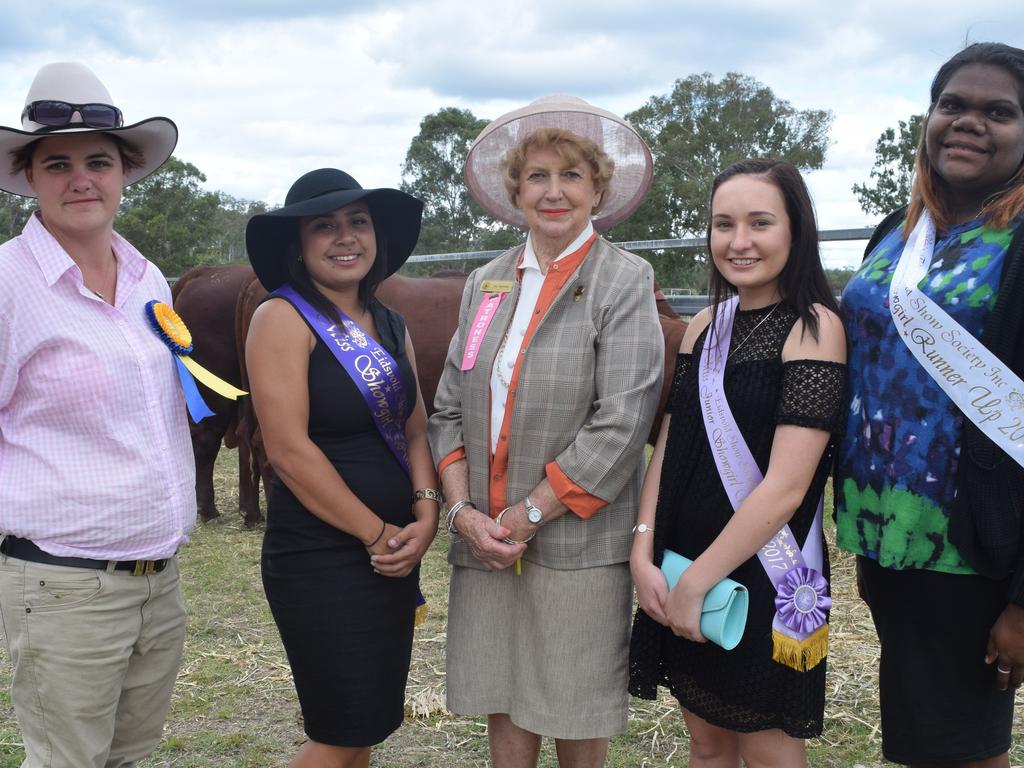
(930, 191)
(802, 282)
(299, 277)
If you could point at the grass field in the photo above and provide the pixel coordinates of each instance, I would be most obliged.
(234, 705)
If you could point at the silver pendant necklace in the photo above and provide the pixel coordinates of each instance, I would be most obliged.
(752, 330)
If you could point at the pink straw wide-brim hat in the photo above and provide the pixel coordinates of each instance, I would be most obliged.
(74, 83)
(634, 168)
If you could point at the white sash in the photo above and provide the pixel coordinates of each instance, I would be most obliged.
(799, 627)
(978, 383)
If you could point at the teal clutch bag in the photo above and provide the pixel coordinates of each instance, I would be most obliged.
(724, 614)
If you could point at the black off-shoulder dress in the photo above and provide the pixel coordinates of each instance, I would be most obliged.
(743, 690)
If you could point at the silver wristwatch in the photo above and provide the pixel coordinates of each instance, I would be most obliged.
(533, 512)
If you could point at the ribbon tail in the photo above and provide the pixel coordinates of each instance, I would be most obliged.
(801, 655)
(214, 382)
(197, 407)
(421, 608)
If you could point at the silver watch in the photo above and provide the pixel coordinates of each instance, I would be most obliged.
(533, 512)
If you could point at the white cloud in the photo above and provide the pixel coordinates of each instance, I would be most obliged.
(263, 91)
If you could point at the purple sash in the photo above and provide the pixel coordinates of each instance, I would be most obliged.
(369, 365)
(376, 375)
(799, 628)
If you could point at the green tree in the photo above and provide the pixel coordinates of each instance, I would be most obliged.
(889, 185)
(229, 221)
(432, 171)
(694, 132)
(14, 212)
(838, 277)
(170, 218)
(703, 126)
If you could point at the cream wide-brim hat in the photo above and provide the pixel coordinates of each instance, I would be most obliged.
(75, 83)
(634, 168)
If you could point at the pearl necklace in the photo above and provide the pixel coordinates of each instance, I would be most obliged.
(499, 360)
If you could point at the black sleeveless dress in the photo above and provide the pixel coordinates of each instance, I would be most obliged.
(347, 631)
(743, 690)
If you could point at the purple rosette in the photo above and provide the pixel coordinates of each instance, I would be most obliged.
(802, 599)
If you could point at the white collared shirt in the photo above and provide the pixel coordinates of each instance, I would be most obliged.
(531, 282)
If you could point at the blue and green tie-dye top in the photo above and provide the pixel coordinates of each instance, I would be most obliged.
(896, 468)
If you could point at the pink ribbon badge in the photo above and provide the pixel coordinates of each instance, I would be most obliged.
(484, 315)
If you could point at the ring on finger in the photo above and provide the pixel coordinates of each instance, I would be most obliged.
(1002, 671)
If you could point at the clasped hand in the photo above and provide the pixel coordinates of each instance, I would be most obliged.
(683, 609)
(399, 550)
(485, 539)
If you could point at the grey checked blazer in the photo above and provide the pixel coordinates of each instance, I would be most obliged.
(588, 388)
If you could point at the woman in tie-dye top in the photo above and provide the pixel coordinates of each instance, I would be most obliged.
(934, 523)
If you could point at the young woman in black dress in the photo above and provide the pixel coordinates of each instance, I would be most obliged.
(784, 381)
(354, 505)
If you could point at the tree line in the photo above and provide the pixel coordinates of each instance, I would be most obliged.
(169, 217)
(694, 131)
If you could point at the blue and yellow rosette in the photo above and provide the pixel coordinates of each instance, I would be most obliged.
(173, 332)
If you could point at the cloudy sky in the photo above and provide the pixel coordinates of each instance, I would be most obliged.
(264, 90)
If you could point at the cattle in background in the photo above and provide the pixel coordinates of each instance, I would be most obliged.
(205, 299)
(430, 306)
(255, 466)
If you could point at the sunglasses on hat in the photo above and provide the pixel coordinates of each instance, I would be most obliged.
(56, 114)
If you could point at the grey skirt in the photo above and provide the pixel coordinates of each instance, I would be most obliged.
(549, 648)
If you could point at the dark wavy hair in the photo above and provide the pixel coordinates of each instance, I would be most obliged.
(299, 277)
(802, 282)
(930, 190)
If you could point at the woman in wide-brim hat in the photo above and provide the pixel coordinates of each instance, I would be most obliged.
(354, 505)
(96, 470)
(544, 405)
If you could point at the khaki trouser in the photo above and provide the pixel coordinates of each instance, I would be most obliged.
(95, 655)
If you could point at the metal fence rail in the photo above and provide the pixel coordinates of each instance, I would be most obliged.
(828, 235)
(688, 305)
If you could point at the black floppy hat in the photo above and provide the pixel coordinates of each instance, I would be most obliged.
(267, 235)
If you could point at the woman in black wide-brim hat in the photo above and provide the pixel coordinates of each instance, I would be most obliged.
(354, 505)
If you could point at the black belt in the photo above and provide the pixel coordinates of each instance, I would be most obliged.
(23, 549)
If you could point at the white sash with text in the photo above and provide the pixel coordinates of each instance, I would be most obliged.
(978, 383)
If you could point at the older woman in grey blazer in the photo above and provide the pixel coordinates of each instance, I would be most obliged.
(548, 393)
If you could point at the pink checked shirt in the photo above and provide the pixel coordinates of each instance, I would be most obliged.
(95, 455)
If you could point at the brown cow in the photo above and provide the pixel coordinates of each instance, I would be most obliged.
(431, 309)
(205, 299)
(253, 466)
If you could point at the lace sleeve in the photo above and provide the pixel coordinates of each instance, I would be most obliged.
(814, 394)
(682, 367)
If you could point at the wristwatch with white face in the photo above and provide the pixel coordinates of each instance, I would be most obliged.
(533, 512)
